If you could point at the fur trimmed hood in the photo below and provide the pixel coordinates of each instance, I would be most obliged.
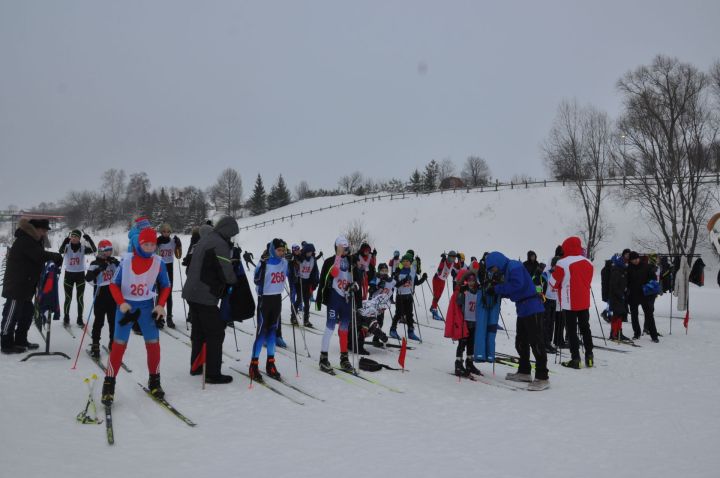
(25, 226)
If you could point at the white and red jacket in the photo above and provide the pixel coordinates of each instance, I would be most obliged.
(572, 277)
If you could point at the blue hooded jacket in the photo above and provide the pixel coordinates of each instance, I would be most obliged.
(259, 274)
(517, 286)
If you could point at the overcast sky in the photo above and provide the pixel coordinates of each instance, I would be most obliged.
(310, 89)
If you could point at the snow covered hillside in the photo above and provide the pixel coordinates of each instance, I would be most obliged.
(642, 411)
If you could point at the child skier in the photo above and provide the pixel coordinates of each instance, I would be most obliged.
(101, 272)
(381, 289)
(270, 278)
(74, 260)
(445, 268)
(133, 289)
(168, 249)
(309, 279)
(335, 291)
(461, 320)
(406, 279)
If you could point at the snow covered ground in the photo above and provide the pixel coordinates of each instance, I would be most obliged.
(651, 411)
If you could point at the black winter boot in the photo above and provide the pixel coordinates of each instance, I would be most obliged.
(345, 363)
(95, 350)
(325, 365)
(271, 369)
(471, 368)
(254, 371)
(108, 391)
(154, 386)
(460, 371)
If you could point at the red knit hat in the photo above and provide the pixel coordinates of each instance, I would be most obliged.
(147, 235)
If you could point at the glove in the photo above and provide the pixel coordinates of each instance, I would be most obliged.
(56, 258)
(177, 241)
(374, 252)
(125, 307)
(354, 287)
(424, 276)
(443, 257)
(159, 319)
(86, 237)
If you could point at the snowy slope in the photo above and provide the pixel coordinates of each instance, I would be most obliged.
(648, 412)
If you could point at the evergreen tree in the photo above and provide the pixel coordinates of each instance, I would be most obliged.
(258, 201)
(279, 195)
(416, 181)
(430, 177)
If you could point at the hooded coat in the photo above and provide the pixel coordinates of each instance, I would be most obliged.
(25, 262)
(211, 268)
(517, 285)
(572, 277)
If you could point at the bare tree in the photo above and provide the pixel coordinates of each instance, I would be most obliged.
(113, 186)
(715, 76)
(580, 149)
(138, 188)
(226, 193)
(302, 190)
(446, 169)
(350, 183)
(476, 172)
(356, 234)
(668, 128)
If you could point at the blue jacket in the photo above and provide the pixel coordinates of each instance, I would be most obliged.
(517, 284)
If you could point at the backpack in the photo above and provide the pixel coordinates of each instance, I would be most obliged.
(370, 365)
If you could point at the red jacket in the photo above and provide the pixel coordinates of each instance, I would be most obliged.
(455, 327)
(572, 277)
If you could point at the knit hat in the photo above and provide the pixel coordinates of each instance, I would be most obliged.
(452, 254)
(396, 253)
(105, 245)
(382, 267)
(342, 242)
(75, 233)
(141, 223)
(634, 255)
(407, 257)
(165, 227)
(147, 235)
(277, 243)
(295, 247)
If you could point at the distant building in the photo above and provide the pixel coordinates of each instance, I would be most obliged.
(452, 183)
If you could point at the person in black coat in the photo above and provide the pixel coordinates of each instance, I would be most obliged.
(639, 274)
(617, 296)
(25, 261)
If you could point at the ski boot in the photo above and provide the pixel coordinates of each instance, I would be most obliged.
(589, 360)
(393, 334)
(519, 377)
(293, 320)
(254, 371)
(538, 385)
(66, 321)
(435, 314)
(170, 322)
(471, 368)
(325, 364)
(218, 379)
(307, 323)
(412, 336)
(271, 370)
(95, 350)
(108, 391)
(154, 386)
(280, 342)
(460, 371)
(574, 363)
(345, 363)
(80, 322)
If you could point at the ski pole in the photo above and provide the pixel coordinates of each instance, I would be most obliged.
(504, 326)
(182, 286)
(302, 329)
(356, 334)
(422, 291)
(237, 349)
(87, 324)
(417, 319)
(597, 312)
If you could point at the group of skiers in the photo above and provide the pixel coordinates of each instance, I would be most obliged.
(135, 291)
